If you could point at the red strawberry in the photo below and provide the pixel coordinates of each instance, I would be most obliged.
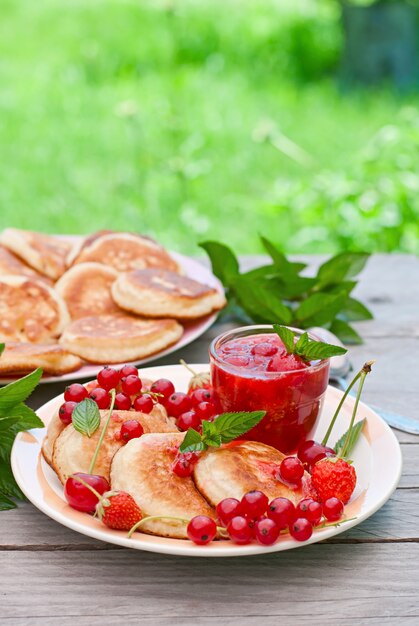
(309, 490)
(334, 477)
(117, 509)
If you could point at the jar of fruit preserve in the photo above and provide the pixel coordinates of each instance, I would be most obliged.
(251, 370)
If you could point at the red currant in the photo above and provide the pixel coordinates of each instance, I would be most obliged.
(291, 470)
(201, 529)
(75, 393)
(177, 404)
(131, 429)
(201, 395)
(65, 412)
(264, 349)
(164, 387)
(266, 531)
(144, 403)
(184, 463)
(108, 378)
(332, 509)
(239, 530)
(80, 497)
(254, 504)
(205, 410)
(122, 402)
(282, 511)
(131, 385)
(227, 509)
(301, 529)
(128, 370)
(310, 509)
(310, 452)
(101, 397)
(188, 420)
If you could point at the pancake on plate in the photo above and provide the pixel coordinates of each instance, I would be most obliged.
(44, 253)
(160, 293)
(86, 289)
(239, 467)
(22, 358)
(73, 452)
(125, 252)
(10, 264)
(84, 242)
(143, 468)
(30, 311)
(119, 338)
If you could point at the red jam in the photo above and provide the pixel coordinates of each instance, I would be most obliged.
(255, 372)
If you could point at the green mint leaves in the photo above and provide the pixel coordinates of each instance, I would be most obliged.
(277, 292)
(306, 348)
(86, 417)
(225, 428)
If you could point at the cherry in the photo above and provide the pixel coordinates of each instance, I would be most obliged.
(108, 378)
(205, 410)
(178, 403)
(239, 530)
(201, 395)
(131, 429)
(75, 393)
(301, 529)
(101, 397)
(128, 370)
(291, 470)
(189, 419)
(266, 531)
(184, 463)
(131, 385)
(282, 512)
(144, 403)
(227, 509)
(332, 509)
(79, 496)
(163, 386)
(264, 349)
(310, 509)
(254, 504)
(122, 402)
(201, 529)
(65, 412)
(310, 452)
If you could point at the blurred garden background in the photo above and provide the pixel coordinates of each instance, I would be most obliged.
(203, 119)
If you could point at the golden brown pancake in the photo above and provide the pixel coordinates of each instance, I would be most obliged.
(44, 253)
(73, 452)
(115, 339)
(125, 252)
(22, 358)
(30, 311)
(239, 467)
(86, 289)
(143, 468)
(84, 242)
(160, 293)
(10, 264)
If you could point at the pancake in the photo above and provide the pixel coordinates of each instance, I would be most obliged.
(44, 253)
(10, 264)
(115, 339)
(84, 242)
(72, 451)
(143, 469)
(22, 358)
(30, 311)
(125, 252)
(160, 293)
(239, 467)
(86, 289)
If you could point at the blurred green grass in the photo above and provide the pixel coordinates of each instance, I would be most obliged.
(199, 119)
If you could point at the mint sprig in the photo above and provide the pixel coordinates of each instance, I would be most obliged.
(225, 428)
(306, 348)
(86, 417)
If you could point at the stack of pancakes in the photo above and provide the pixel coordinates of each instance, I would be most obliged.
(110, 298)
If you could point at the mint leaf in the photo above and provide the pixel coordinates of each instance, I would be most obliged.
(2, 347)
(355, 311)
(18, 391)
(260, 301)
(315, 350)
(345, 332)
(27, 417)
(319, 308)
(192, 442)
(287, 337)
(224, 262)
(355, 434)
(5, 503)
(342, 267)
(280, 260)
(86, 417)
(233, 425)
(301, 344)
(8, 485)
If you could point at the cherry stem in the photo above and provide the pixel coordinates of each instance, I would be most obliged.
(149, 518)
(102, 434)
(342, 400)
(188, 367)
(92, 489)
(363, 374)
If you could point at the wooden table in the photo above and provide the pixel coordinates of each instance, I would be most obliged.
(368, 575)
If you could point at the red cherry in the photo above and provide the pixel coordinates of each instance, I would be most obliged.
(239, 530)
(310, 509)
(131, 429)
(163, 386)
(266, 531)
(144, 403)
(291, 470)
(188, 420)
(101, 397)
(75, 393)
(108, 378)
(65, 412)
(264, 349)
(122, 402)
(282, 511)
(205, 410)
(184, 463)
(310, 452)
(131, 385)
(80, 497)
(254, 504)
(227, 509)
(201, 529)
(177, 404)
(201, 395)
(333, 509)
(128, 370)
(301, 529)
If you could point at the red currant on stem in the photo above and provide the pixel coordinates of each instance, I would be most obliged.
(101, 397)
(282, 511)
(79, 496)
(254, 504)
(164, 387)
(177, 404)
(131, 385)
(310, 509)
(75, 393)
(227, 509)
(201, 529)
(301, 529)
(108, 378)
(144, 403)
(266, 531)
(239, 530)
(188, 420)
(332, 509)
(122, 402)
(65, 412)
(131, 429)
(128, 370)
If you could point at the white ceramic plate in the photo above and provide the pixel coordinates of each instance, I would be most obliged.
(193, 329)
(377, 459)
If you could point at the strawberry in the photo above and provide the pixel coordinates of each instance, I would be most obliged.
(118, 510)
(334, 477)
(199, 380)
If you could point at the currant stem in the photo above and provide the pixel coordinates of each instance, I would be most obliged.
(92, 489)
(102, 434)
(342, 400)
(363, 374)
(138, 525)
(188, 367)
